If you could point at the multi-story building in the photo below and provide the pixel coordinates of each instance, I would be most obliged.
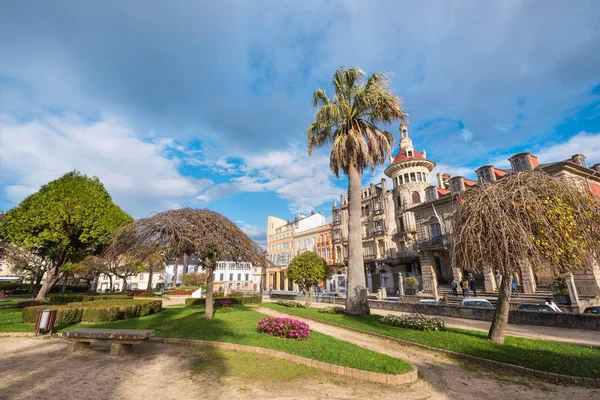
(285, 239)
(325, 244)
(434, 223)
(388, 229)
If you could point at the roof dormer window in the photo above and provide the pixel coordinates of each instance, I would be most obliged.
(486, 175)
(521, 162)
(457, 184)
(409, 153)
(431, 193)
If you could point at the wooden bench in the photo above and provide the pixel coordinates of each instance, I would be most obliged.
(121, 340)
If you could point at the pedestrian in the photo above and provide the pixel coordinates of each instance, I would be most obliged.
(550, 303)
(472, 284)
(453, 286)
(464, 284)
(513, 286)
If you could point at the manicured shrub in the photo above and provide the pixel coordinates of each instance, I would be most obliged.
(235, 294)
(140, 293)
(234, 300)
(288, 303)
(29, 303)
(194, 279)
(76, 298)
(223, 303)
(96, 311)
(284, 328)
(180, 292)
(414, 321)
(332, 310)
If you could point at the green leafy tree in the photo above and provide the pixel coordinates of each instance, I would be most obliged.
(528, 218)
(307, 270)
(349, 122)
(194, 279)
(65, 221)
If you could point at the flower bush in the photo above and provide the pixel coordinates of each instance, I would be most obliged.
(288, 303)
(223, 303)
(140, 293)
(414, 321)
(333, 310)
(284, 328)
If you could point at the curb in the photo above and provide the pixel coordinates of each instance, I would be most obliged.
(548, 376)
(390, 379)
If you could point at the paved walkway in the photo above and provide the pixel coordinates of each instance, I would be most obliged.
(564, 335)
(454, 380)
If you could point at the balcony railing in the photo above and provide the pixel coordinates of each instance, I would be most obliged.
(368, 257)
(337, 240)
(438, 242)
(337, 222)
(379, 231)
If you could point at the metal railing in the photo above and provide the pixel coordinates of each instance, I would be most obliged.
(442, 241)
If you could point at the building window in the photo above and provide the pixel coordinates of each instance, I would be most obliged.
(328, 254)
(221, 277)
(406, 178)
(485, 175)
(435, 230)
(416, 198)
(409, 153)
(430, 194)
(520, 164)
(412, 177)
(247, 277)
(239, 277)
(456, 186)
(230, 277)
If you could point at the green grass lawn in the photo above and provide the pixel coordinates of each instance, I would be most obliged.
(10, 319)
(543, 355)
(238, 325)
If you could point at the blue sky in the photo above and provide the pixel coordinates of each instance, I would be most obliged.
(206, 103)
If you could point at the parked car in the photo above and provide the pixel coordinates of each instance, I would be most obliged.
(391, 298)
(431, 301)
(535, 307)
(372, 297)
(476, 303)
(592, 310)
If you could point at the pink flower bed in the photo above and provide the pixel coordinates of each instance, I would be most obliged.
(284, 328)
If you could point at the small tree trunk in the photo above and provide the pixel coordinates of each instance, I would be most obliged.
(500, 321)
(356, 298)
(175, 272)
(185, 264)
(38, 281)
(110, 289)
(64, 285)
(209, 309)
(49, 281)
(94, 284)
(151, 272)
(124, 285)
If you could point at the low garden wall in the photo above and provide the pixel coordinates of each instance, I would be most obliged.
(559, 320)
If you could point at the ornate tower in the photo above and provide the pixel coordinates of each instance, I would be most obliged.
(409, 171)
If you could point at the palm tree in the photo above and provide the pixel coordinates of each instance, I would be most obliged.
(348, 121)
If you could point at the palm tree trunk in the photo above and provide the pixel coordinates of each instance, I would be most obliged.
(356, 299)
(500, 321)
(209, 308)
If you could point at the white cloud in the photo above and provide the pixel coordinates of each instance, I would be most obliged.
(466, 134)
(304, 182)
(584, 142)
(137, 173)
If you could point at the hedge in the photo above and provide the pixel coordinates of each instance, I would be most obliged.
(140, 293)
(234, 300)
(96, 311)
(76, 298)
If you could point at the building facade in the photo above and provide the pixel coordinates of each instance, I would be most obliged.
(434, 224)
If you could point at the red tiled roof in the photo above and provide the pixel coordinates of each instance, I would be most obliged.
(499, 172)
(534, 161)
(469, 182)
(595, 189)
(401, 156)
(442, 192)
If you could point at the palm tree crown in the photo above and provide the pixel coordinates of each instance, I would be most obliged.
(348, 121)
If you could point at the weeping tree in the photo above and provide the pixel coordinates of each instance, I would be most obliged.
(349, 122)
(204, 233)
(529, 218)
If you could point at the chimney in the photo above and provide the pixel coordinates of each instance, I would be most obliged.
(440, 181)
(579, 159)
(596, 167)
(383, 185)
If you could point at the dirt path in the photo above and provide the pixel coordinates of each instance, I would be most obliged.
(442, 376)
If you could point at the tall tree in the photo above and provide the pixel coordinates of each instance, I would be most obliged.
(204, 233)
(306, 270)
(349, 121)
(529, 218)
(65, 221)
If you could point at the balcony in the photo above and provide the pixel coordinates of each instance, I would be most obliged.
(368, 257)
(379, 231)
(439, 242)
(337, 222)
(337, 240)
